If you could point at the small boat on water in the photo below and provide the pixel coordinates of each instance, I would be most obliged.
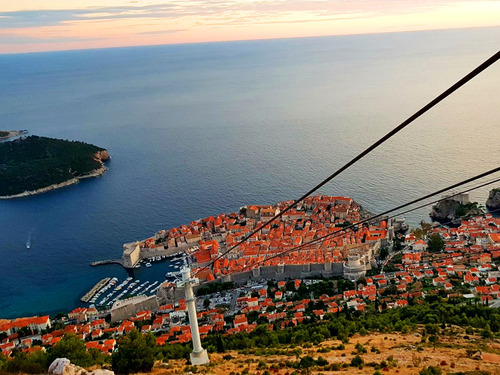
(148, 264)
(171, 275)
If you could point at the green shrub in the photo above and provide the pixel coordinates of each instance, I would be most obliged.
(72, 348)
(135, 353)
(357, 361)
(431, 370)
(262, 365)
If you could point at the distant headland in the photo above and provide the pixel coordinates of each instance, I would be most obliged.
(6, 134)
(34, 165)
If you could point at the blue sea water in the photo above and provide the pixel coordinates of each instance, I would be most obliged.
(196, 130)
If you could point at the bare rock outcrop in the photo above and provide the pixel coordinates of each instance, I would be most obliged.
(452, 212)
(63, 366)
(102, 372)
(493, 202)
(58, 366)
(102, 156)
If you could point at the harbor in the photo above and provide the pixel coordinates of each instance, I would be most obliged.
(134, 255)
(130, 287)
(107, 261)
(110, 290)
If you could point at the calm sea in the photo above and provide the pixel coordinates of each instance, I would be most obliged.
(196, 130)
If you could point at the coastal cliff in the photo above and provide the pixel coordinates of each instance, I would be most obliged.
(493, 201)
(35, 165)
(102, 156)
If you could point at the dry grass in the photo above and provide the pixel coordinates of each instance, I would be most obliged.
(408, 353)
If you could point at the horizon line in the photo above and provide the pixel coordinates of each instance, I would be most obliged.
(244, 40)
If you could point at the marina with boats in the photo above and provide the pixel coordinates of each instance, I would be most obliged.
(96, 288)
(110, 290)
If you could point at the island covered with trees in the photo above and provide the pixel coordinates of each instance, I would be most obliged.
(33, 165)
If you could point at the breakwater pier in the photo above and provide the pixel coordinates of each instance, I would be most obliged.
(133, 254)
(107, 261)
(88, 296)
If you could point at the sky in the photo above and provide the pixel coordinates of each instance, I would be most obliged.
(46, 25)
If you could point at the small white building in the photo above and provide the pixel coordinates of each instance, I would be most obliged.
(420, 245)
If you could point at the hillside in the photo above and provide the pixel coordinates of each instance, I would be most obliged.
(34, 163)
(379, 353)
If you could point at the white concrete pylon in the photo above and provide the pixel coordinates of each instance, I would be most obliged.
(199, 356)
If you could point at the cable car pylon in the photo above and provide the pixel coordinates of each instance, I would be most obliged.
(199, 356)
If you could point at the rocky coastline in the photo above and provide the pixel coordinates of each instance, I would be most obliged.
(451, 212)
(493, 202)
(101, 156)
(12, 134)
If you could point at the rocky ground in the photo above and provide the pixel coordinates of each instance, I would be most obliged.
(62, 366)
(409, 356)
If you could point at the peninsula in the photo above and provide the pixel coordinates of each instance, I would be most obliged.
(34, 165)
(6, 134)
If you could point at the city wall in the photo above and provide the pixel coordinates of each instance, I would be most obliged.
(125, 309)
(277, 273)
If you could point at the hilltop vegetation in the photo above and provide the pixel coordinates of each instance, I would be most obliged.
(434, 317)
(34, 162)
